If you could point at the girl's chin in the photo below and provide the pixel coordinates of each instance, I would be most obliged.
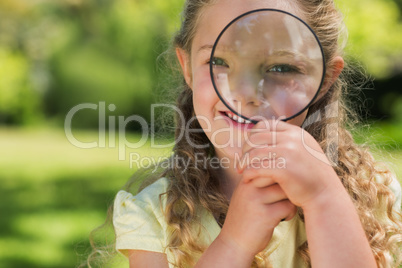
(229, 146)
(228, 152)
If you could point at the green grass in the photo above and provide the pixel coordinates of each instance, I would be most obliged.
(53, 194)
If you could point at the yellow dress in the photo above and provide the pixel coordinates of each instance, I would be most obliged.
(140, 225)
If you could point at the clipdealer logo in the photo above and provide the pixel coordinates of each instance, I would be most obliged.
(108, 138)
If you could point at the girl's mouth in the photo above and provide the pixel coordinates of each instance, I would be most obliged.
(236, 118)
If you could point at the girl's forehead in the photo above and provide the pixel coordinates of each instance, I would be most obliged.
(214, 17)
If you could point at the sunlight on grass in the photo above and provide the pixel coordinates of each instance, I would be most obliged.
(54, 194)
(34, 252)
(42, 154)
(60, 228)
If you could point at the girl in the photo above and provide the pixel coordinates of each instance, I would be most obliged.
(216, 213)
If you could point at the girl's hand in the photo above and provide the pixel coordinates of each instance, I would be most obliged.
(253, 214)
(289, 156)
(309, 181)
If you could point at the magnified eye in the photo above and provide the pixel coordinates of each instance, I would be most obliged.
(283, 68)
(219, 62)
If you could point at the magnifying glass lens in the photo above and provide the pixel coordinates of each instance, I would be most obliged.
(267, 64)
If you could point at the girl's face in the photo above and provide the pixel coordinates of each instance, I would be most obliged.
(227, 135)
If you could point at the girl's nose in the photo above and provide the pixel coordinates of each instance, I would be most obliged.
(247, 91)
(249, 99)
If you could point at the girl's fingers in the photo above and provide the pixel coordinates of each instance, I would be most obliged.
(271, 125)
(264, 157)
(280, 210)
(261, 182)
(265, 132)
(267, 169)
(262, 139)
(266, 153)
(273, 194)
(275, 205)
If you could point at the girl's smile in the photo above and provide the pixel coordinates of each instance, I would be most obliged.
(236, 121)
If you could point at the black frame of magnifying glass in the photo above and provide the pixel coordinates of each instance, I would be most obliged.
(243, 15)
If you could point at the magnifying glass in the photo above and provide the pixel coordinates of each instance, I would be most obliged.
(267, 64)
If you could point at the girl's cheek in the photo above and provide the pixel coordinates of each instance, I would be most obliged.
(203, 89)
(204, 82)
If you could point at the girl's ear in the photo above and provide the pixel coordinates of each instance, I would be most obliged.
(184, 60)
(333, 72)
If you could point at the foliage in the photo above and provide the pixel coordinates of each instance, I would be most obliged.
(18, 101)
(85, 51)
(111, 59)
(20, 84)
(375, 34)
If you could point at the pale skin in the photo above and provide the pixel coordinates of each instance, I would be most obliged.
(261, 197)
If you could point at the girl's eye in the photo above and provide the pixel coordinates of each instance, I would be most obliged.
(219, 62)
(283, 68)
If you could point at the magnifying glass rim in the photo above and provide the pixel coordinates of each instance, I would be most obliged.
(248, 13)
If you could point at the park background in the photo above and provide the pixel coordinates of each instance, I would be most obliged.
(55, 55)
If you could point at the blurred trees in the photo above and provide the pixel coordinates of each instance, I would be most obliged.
(110, 56)
(18, 100)
(57, 54)
(375, 35)
(19, 91)
(375, 42)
